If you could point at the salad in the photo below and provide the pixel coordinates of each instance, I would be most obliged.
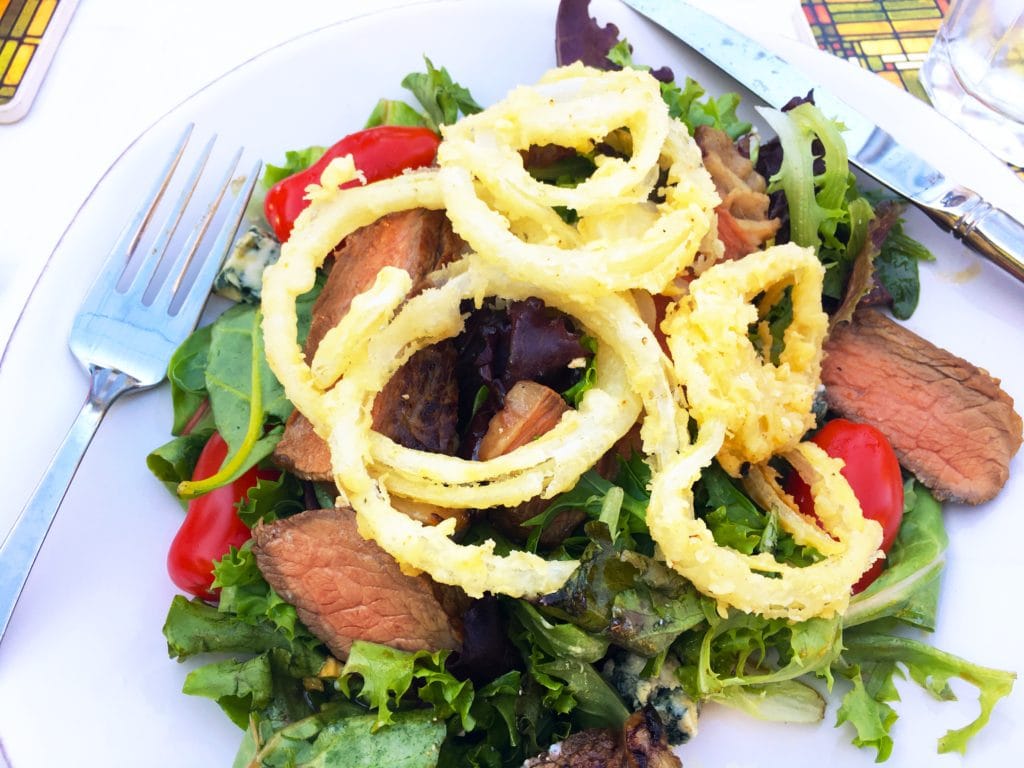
(624, 632)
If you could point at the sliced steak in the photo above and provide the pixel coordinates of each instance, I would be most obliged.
(346, 588)
(418, 407)
(949, 422)
(642, 743)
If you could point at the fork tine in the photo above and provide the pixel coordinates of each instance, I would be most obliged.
(196, 296)
(140, 283)
(164, 293)
(128, 239)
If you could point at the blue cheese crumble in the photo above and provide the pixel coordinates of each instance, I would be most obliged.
(664, 692)
(241, 276)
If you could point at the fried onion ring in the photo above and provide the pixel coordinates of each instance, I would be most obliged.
(708, 335)
(622, 240)
(759, 583)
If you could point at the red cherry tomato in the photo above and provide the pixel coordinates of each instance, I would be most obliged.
(873, 472)
(380, 153)
(211, 525)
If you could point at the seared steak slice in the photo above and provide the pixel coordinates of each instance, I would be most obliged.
(949, 422)
(346, 588)
(642, 743)
(418, 407)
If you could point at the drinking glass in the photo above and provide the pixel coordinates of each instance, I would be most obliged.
(974, 73)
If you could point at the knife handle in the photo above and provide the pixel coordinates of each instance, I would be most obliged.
(990, 231)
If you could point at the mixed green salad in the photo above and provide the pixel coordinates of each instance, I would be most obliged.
(625, 631)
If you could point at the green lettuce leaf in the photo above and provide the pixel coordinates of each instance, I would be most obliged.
(295, 160)
(869, 712)
(908, 588)
(683, 103)
(245, 594)
(747, 649)
(784, 701)
(272, 499)
(386, 675)
(193, 628)
(870, 647)
(236, 686)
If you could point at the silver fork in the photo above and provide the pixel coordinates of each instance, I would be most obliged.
(125, 333)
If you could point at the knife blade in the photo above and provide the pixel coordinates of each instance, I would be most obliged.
(986, 229)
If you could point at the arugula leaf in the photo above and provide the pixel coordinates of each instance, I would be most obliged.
(897, 268)
(718, 112)
(574, 394)
(734, 520)
(768, 334)
(558, 640)
(441, 97)
(590, 494)
(391, 112)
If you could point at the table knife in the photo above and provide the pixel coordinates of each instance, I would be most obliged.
(990, 231)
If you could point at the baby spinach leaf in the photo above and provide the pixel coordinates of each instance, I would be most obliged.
(186, 373)
(174, 461)
(339, 737)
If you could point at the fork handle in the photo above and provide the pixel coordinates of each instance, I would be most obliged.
(19, 550)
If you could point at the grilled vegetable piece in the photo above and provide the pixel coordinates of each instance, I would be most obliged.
(530, 410)
(743, 222)
(949, 421)
(346, 588)
(641, 744)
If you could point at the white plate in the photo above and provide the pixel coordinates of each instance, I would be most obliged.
(84, 675)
